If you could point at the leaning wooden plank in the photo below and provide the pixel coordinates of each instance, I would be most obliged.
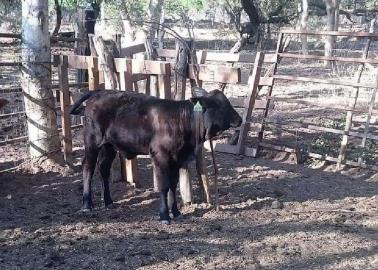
(65, 107)
(330, 33)
(370, 112)
(130, 50)
(352, 104)
(325, 81)
(215, 73)
(330, 58)
(250, 101)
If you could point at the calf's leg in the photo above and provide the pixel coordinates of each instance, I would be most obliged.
(172, 199)
(89, 164)
(105, 160)
(162, 179)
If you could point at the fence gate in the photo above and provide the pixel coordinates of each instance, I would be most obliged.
(349, 132)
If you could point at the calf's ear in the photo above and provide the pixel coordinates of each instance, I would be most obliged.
(199, 92)
(204, 101)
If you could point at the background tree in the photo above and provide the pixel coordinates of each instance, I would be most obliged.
(36, 80)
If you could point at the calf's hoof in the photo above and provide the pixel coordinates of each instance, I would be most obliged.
(110, 206)
(86, 210)
(165, 222)
(179, 217)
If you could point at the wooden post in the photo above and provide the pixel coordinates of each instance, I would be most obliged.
(165, 83)
(181, 69)
(129, 167)
(65, 108)
(93, 74)
(280, 47)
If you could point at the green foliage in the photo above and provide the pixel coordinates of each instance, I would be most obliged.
(178, 7)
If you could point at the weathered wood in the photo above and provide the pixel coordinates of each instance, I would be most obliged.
(106, 59)
(10, 64)
(151, 67)
(325, 81)
(93, 74)
(229, 57)
(352, 104)
(251, 152)
(65, 105)
(9, 35)
(214, 73)
(296, 124)
(317, 104)
(132, 174)
(250, 101)
(279, 49)
(330, 58)
(79, 61)
(166, 53)
(330, 33)
(181, 67)
(164, 86)
(129, 51)
(370, 112)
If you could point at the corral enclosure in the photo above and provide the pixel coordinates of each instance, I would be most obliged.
(274, 213)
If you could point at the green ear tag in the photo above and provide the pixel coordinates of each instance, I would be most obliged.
(198, 107)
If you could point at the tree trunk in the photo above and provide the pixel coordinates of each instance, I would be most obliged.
(36, 80)
(58, 11)
(152, 20)
(331, 6)
(303, 26)
(128, 30)
(106, 59)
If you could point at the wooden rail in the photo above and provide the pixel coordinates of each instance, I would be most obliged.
(330, 33)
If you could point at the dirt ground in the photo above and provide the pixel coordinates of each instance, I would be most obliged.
(274, 215)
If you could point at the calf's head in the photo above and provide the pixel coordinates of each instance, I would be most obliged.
(218, 113)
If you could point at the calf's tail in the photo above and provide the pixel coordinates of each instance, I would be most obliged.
(78, 107)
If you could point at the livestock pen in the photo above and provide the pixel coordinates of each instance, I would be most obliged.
(274, 213)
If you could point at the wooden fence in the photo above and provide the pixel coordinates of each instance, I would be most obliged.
(129, 71)
(243, 148)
